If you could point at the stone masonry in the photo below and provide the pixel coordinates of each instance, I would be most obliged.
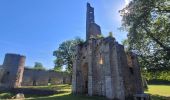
(33, 77)
(13, 74)
(101, 66)
(13, 68)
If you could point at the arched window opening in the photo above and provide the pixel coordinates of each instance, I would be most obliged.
(49, 81)
(34, 83)
(101, 60)
(131, 70)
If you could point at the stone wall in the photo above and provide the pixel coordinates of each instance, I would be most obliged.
(13, 66)
(92, 29)
(13, 74)
(1, 73)
(101, 67)
(41, 77)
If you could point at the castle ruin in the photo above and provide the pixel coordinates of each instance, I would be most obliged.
(12, 71)
(13, 74)
(101, 66)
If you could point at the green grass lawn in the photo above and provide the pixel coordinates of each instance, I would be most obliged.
(64, 94)
(162, 90)
(158, 92)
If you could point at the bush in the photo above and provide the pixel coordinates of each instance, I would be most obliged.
(158, 75)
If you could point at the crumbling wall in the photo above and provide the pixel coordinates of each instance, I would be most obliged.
(33, 77)
(101, 67)
(13, 70)
(1, 73)
(135, 72)
(92, 29)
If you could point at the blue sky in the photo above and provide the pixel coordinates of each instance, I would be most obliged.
(35, 28)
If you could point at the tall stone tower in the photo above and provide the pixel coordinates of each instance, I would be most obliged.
(13, 70)
(92, 29)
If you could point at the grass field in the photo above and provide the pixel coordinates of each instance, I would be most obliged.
(158, 92)
(163, 90)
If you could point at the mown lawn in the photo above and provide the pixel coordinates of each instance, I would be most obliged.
(64, 93)
(158, 92)
(163, 90)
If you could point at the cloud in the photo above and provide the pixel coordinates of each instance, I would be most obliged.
(127, 2)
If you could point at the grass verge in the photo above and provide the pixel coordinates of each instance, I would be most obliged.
(158, 92)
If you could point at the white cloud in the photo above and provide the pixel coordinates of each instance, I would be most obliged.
(127, 2)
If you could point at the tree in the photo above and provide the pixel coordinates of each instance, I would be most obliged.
(125, 44)
(38, 66)
(148, 26)
(65, 53)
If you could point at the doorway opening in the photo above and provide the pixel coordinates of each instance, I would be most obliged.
(49, 81)
(34, 83)
(85, 77)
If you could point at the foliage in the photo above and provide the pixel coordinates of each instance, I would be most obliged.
(38, 66)
(159, 75)
(57, 69)
(125, 44)
(147, 23)
(65, 53)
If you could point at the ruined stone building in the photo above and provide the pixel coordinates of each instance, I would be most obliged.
(12, 71)
(13, 74)
(101, 66)
(33, 77)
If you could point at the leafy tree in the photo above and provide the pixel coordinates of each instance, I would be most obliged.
(64, 54)
(148, 26)
(38, 66)
(125, 44)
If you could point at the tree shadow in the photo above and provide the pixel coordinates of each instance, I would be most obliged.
(68, 96)
(158, 97)
(159, 82)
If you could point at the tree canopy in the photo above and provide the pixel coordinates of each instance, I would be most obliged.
(64, 54)
(148, 26)
(38, 66)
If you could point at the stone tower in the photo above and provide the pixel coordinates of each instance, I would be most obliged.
(101, 66)
(13, 70)
(92, 29)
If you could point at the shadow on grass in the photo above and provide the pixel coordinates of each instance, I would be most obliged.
(28, 92)
(159, 82)
(84, 97)
(158, 97)
(6, 95)
(69, 96)
(50, 87)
